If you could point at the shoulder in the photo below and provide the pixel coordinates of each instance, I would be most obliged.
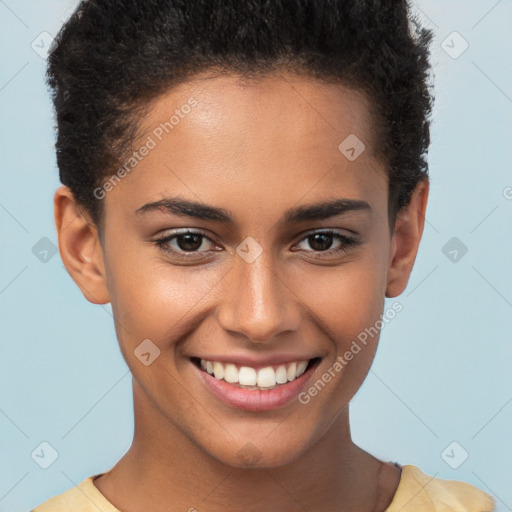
(419, 492)
(84, 497)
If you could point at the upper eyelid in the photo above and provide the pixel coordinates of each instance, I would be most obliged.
(301, 237)
(335, 231)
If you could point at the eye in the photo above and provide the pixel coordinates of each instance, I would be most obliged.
(322, 241)
(189, 244)
(186, 241)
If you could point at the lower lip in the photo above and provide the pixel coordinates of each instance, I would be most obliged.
(254, 400)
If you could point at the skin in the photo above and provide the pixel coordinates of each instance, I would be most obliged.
(255, 148)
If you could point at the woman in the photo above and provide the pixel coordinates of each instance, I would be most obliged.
(245, 183)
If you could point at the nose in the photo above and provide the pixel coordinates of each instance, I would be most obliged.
(257, 302)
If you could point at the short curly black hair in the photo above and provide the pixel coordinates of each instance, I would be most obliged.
(112, 57)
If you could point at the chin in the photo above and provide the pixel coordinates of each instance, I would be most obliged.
(263, 454)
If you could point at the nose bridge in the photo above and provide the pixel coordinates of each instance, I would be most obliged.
(256, 302)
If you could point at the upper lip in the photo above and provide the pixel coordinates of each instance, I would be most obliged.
(258, 362)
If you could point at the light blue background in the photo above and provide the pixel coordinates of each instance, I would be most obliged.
(442, 371)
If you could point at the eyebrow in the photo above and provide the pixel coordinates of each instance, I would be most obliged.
(317, 211)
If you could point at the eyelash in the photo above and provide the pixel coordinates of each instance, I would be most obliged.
(347, 243)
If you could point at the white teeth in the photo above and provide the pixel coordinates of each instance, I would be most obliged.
(247, 376)
(292, 371)
(218, 370)
(301, 368)
(281, 375)
(230, 373)
(267, 377)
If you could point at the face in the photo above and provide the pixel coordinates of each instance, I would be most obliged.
(245, 245)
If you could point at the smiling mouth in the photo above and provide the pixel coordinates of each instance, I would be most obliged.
(246, 377)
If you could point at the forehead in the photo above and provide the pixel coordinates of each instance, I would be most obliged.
(292, 106)
(280, 136)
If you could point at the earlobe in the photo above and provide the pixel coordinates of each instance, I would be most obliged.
(80, 247)
(406, 239)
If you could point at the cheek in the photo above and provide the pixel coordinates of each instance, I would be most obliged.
(348, 299)
(151, 299)
(348, 302)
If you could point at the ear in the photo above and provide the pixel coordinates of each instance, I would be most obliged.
(80, 247)
(406, 239)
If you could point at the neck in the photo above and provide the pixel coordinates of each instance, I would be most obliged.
(165, 470)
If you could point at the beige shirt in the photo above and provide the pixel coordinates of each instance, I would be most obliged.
(416, 492)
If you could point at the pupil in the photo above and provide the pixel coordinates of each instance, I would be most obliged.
(192, 242)
(324, 239)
